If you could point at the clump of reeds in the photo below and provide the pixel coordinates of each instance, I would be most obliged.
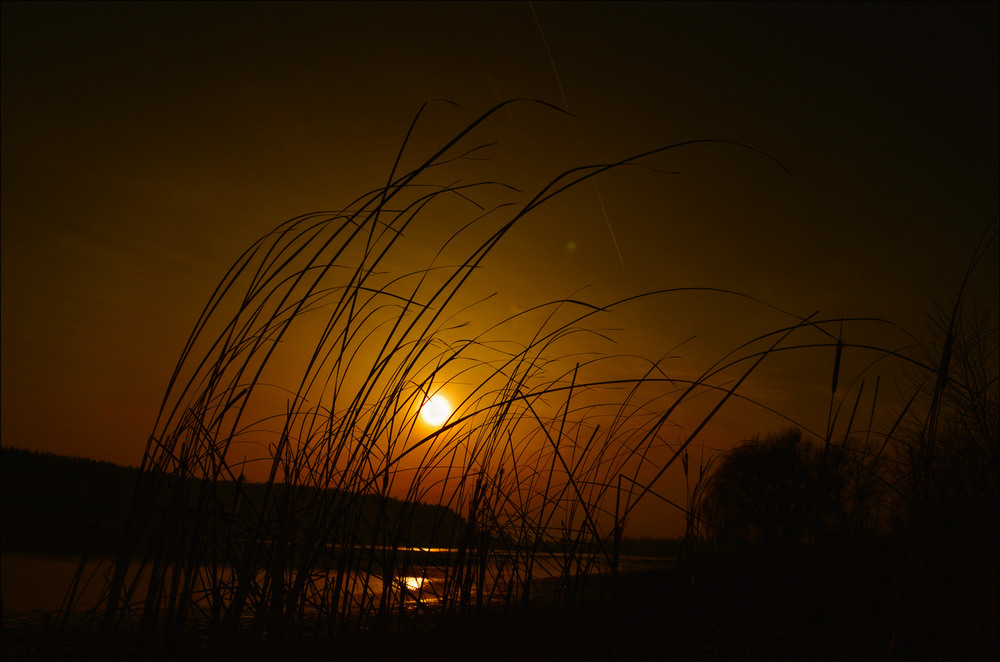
(893, 528)
(288, 488)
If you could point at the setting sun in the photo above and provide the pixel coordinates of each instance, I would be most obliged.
(436, 410)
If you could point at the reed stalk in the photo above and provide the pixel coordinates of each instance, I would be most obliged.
(307, 367)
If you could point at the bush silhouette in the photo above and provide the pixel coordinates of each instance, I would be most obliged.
(763, 492)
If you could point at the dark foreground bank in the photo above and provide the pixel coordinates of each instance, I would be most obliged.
(720, 613)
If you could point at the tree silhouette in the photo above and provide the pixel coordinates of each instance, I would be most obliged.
(762, 492)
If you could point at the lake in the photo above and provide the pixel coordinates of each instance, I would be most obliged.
(31, 582)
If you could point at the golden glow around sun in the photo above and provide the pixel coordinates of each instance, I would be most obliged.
(436, 410)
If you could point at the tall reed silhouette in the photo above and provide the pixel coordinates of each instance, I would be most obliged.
(308, 367)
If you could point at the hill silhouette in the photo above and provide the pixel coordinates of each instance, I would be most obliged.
(61, 504)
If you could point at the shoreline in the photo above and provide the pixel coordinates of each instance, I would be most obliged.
(718, 612)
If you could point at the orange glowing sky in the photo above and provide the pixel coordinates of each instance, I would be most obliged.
(145, 145)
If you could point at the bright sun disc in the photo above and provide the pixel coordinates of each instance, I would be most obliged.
(436, 410)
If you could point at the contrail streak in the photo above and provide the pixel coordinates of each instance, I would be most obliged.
(583, 152)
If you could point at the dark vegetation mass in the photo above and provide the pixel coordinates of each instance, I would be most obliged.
(69, 505)
(858, 541)
(852, 556)
(57, 504)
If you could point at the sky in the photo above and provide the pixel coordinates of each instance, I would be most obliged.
(146, 145)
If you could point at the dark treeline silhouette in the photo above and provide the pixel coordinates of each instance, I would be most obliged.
(61, 504)
(65, 504)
